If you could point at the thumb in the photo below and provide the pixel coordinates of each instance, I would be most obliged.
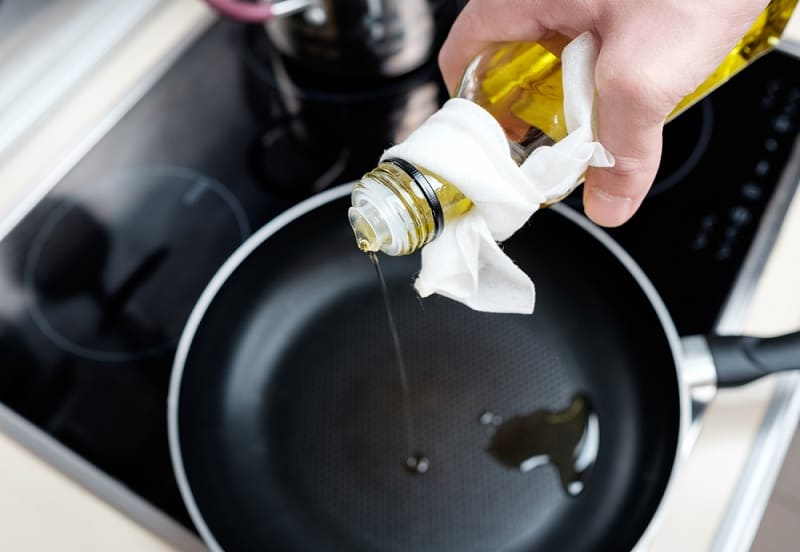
(630, 119)
(648, 62)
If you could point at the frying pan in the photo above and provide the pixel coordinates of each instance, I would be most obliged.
(285, 408)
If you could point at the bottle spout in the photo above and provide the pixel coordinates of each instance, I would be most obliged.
(379, 217)
(365, 234)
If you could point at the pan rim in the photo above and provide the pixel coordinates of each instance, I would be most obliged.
(322, 198)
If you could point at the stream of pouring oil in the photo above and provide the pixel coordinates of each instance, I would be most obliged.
(568, 439)
(416, 462)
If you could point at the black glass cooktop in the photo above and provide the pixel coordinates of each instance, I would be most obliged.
(98, 279)
(721, 164)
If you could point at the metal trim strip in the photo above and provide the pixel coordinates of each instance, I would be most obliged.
(749, 501)
(101, 485)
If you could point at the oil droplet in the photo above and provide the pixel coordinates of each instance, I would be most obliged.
(364, 245)
(417, 463)
(365, 236)
(569, 439)
(490, 419)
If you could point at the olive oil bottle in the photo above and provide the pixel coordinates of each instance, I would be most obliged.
(398, 207)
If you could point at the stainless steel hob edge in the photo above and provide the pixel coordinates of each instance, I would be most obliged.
(743, 516)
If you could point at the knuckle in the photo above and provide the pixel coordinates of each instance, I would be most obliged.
(631, 176)
(642, 87)
(627, 166)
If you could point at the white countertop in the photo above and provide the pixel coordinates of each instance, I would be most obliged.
(43, 509)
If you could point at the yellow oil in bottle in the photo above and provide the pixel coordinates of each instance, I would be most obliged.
(412, 202)
(520, 83)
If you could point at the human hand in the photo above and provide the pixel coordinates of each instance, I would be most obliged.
(652, 54)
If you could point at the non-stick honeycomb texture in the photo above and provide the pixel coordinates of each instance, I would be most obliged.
(344, 421)
(290, 409)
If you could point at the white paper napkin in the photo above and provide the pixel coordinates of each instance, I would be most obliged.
(465, 145)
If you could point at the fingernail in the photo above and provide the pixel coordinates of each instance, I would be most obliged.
(607, 209)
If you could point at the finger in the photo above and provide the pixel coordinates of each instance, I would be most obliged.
(481, 23)
(486, 22)
(648, 62)
(612, 195)
(632, 105)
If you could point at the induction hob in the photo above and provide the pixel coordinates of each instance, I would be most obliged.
(99, 277)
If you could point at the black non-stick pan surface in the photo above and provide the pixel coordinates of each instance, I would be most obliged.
(287, 418)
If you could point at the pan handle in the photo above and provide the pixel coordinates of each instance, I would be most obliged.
(740, 360)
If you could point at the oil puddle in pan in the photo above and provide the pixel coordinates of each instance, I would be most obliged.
(568, 439)
(417, 463)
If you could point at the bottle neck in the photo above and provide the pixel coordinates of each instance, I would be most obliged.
(395, 209)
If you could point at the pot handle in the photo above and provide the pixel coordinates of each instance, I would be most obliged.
(740, 360)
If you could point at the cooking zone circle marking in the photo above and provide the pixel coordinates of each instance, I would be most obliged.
(107, 265)
(675, 167)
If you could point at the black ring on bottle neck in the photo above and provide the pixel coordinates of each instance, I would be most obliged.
(425, 187)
